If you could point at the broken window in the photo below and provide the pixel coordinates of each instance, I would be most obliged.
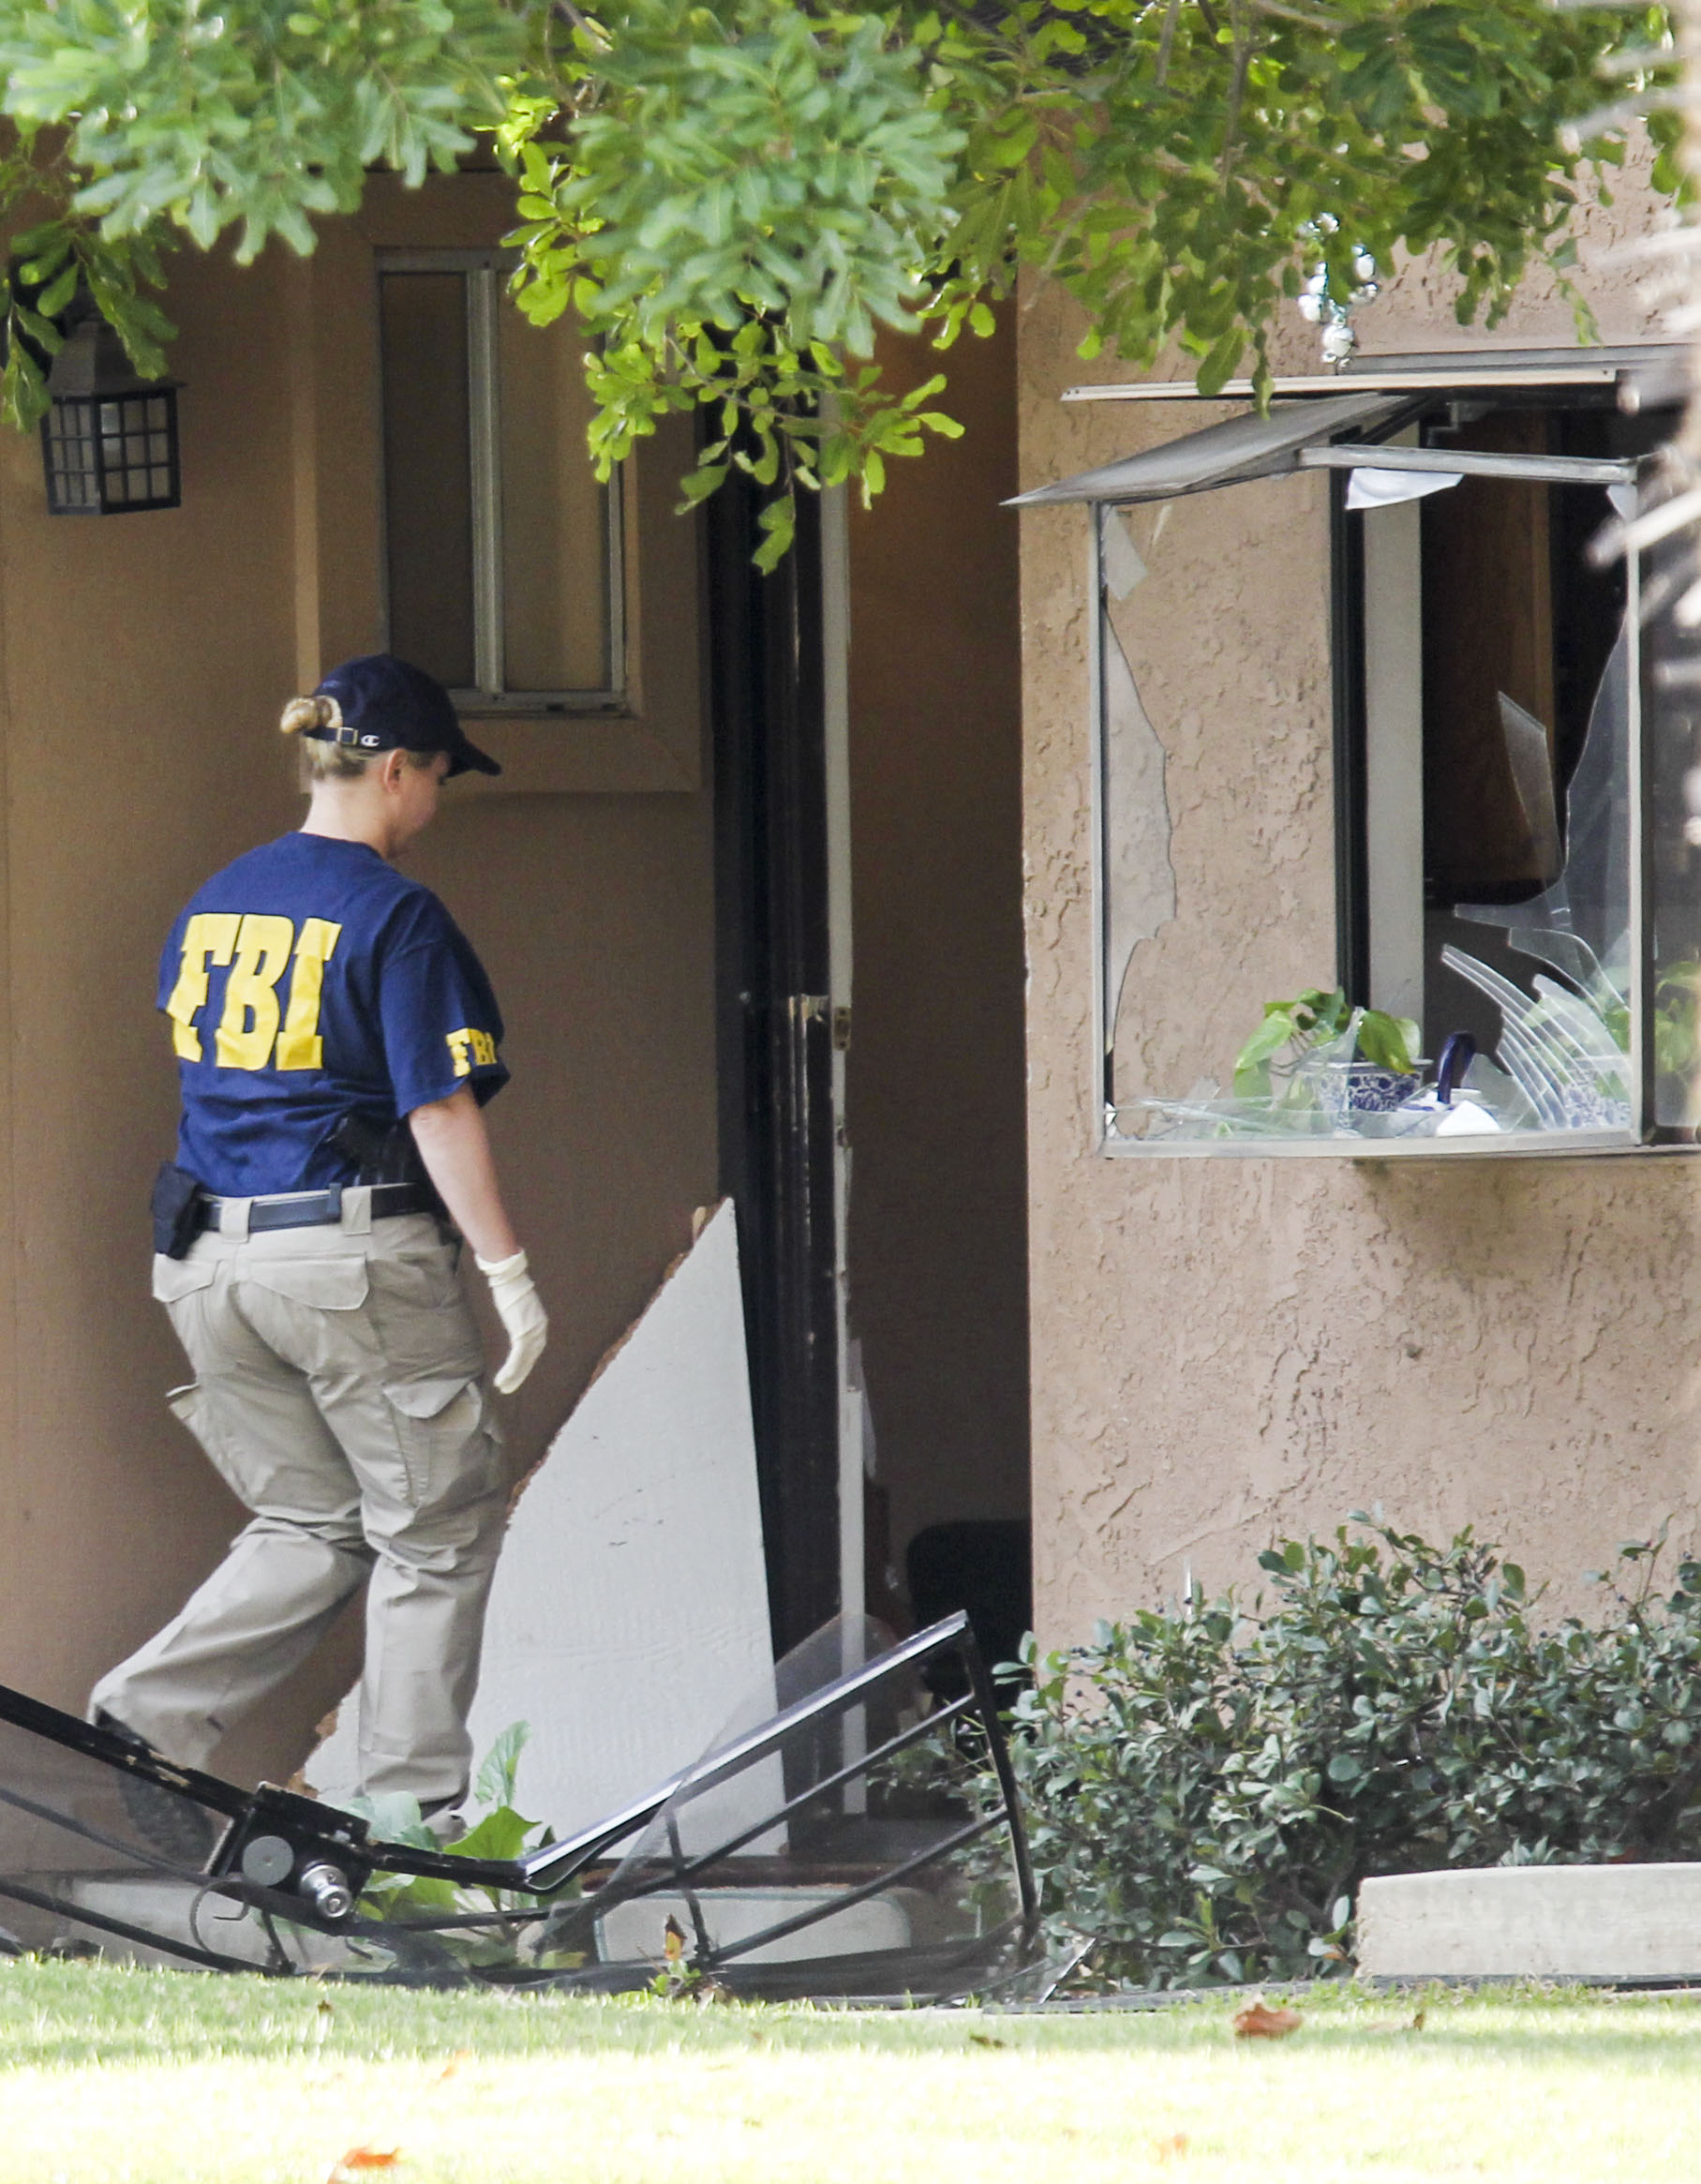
(502, 552)
(1416, 926)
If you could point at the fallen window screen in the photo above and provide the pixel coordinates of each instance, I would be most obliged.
(849, 1835)
(1499, 680)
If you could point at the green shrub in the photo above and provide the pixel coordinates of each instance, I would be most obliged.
(1206, 1788)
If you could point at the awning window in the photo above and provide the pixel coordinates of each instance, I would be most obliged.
(1227, 454)
(1302, 436)
(1495, 921)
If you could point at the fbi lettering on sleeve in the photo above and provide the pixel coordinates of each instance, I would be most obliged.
(256, 1030)
(470, 1050)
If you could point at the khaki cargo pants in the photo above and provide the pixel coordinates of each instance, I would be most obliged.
(340, 1392)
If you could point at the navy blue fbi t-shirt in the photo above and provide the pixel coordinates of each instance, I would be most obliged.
(308, 981)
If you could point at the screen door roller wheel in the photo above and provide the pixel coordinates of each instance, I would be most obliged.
(267, 1860)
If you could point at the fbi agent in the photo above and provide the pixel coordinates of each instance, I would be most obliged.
(337, 1040)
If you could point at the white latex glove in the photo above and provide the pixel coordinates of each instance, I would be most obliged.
(524, 1319)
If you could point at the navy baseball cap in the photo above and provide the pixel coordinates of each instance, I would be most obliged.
(389, 705)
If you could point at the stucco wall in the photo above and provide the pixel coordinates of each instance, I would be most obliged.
(143, 663)
(1226, 1350)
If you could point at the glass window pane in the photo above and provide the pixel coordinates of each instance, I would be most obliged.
(427, 472)
(1673, 694)
(555, 516)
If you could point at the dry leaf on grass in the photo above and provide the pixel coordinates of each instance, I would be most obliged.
(1257, 2021)
(461, 2055)
(358, 2160)
(986, 2040)
(1171, 2148)
(1412, 2023)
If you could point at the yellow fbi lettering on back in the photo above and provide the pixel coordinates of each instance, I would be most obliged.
(254, 1023)
(470, 1050)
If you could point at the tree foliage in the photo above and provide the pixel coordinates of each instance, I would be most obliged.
(734, 195)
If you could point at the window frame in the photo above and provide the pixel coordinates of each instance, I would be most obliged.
(1347, 631)
(486, 272)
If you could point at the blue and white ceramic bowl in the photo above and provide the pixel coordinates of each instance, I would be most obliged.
(1349, 1088)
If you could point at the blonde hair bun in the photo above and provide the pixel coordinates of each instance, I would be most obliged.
(302, 715)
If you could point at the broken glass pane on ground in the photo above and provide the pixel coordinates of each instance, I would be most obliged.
(852, 1834)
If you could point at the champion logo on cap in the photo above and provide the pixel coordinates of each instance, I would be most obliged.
(385, 704)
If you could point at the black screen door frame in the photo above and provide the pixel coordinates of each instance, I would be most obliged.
(774, 1029)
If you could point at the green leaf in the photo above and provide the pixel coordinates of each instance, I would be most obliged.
(501, 1835)
(1220, 360)
(57, 296)
(495, 1780)
(1390, 1042)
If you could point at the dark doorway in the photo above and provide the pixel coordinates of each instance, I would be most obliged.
(775, 1030)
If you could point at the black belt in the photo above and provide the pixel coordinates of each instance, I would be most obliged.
(312, 1210)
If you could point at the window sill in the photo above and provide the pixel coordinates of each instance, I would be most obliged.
(1507, 1144)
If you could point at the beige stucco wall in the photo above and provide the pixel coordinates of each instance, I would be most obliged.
(1223, 1351)
(142, 662)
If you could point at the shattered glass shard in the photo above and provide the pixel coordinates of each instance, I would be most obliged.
(1140, 878)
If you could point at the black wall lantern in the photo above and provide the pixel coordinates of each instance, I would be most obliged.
(109, 442)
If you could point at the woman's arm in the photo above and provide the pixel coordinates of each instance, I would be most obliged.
(456, 1148)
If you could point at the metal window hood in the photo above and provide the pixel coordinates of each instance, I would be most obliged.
(1302, 436)
(1426, 372)
(1229, 454)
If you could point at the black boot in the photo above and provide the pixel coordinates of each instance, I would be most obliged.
(170, 1823)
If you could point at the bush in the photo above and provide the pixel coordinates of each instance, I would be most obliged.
(1206, 1788)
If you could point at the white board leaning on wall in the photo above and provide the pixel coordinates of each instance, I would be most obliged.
(629, 1615)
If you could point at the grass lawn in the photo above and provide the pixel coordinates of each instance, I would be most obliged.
(173, 2079)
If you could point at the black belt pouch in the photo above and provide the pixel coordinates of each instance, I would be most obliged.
(175, 1206)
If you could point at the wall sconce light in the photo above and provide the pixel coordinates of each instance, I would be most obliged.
(109, 442)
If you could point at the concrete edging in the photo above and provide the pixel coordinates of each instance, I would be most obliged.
(1537, 1921)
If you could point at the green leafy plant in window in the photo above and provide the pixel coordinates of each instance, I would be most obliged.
(1291, 1029)
(1677, 1020)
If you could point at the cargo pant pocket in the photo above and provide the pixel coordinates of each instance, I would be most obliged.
(175, 1279)
(192, 1405)
(448, 1442)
